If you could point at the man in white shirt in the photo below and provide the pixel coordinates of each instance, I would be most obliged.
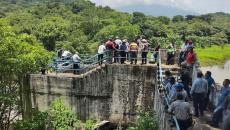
(118, 41)
(101, 51)
(66, 54)
(76, 60)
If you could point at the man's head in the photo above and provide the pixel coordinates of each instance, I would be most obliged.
(208, 73)
(179, 96)
(226, 83)
(199, 74)
(167, 73)
(179, 87)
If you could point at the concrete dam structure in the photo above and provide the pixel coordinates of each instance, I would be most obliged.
(111, 92)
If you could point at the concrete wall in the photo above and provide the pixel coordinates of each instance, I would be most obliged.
(112, 92)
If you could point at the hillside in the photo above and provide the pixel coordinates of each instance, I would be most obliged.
(80, 25)
(156, 10)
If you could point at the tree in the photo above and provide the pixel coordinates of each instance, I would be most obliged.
(20, 55)
(164, 19)
(178, 18)
(138, 18)
(61, 117)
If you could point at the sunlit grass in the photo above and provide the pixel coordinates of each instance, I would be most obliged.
(215, 55)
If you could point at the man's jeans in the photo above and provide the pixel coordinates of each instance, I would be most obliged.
(199, 102)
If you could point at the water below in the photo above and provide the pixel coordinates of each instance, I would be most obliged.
(219, 73)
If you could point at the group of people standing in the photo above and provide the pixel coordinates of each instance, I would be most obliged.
(180, 95)
(118, 51)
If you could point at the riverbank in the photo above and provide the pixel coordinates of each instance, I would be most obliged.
(215, 55)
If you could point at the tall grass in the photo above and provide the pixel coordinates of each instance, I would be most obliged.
(215, 55)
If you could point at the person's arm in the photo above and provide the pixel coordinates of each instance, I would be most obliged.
(214, 84)
(193, 87)
(171, 108)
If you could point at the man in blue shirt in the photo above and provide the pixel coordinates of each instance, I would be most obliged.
(218, 112)
(199, 91)
(211, 86)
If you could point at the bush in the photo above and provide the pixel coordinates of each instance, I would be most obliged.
(146, 121)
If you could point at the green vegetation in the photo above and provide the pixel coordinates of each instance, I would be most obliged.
(145, 121)
(78, 25)
(215, 55)
(58, 117)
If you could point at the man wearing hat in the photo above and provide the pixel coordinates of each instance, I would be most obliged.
(144, 50)
(180, 90)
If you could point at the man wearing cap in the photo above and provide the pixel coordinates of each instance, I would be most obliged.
(144, 51)
(180, 89)
(182, 111)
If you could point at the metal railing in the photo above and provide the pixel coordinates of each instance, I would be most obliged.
(161, 89)
(89, 62)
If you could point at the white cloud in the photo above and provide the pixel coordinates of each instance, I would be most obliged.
(201, 6)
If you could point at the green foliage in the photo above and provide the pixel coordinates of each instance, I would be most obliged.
(38, 122)
(61, 117)
(20, 54)
(178, 18)
(89, 124)
(146, 121)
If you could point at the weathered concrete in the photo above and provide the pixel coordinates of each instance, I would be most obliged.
(111, 92)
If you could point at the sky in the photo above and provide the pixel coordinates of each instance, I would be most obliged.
(198, 6)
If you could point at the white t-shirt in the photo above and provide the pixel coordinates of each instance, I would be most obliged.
(101, 49)
(76, 58)
(66, 53)
(118, 42)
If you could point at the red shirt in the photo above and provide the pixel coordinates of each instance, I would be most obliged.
(109, 45)
(190, 58)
